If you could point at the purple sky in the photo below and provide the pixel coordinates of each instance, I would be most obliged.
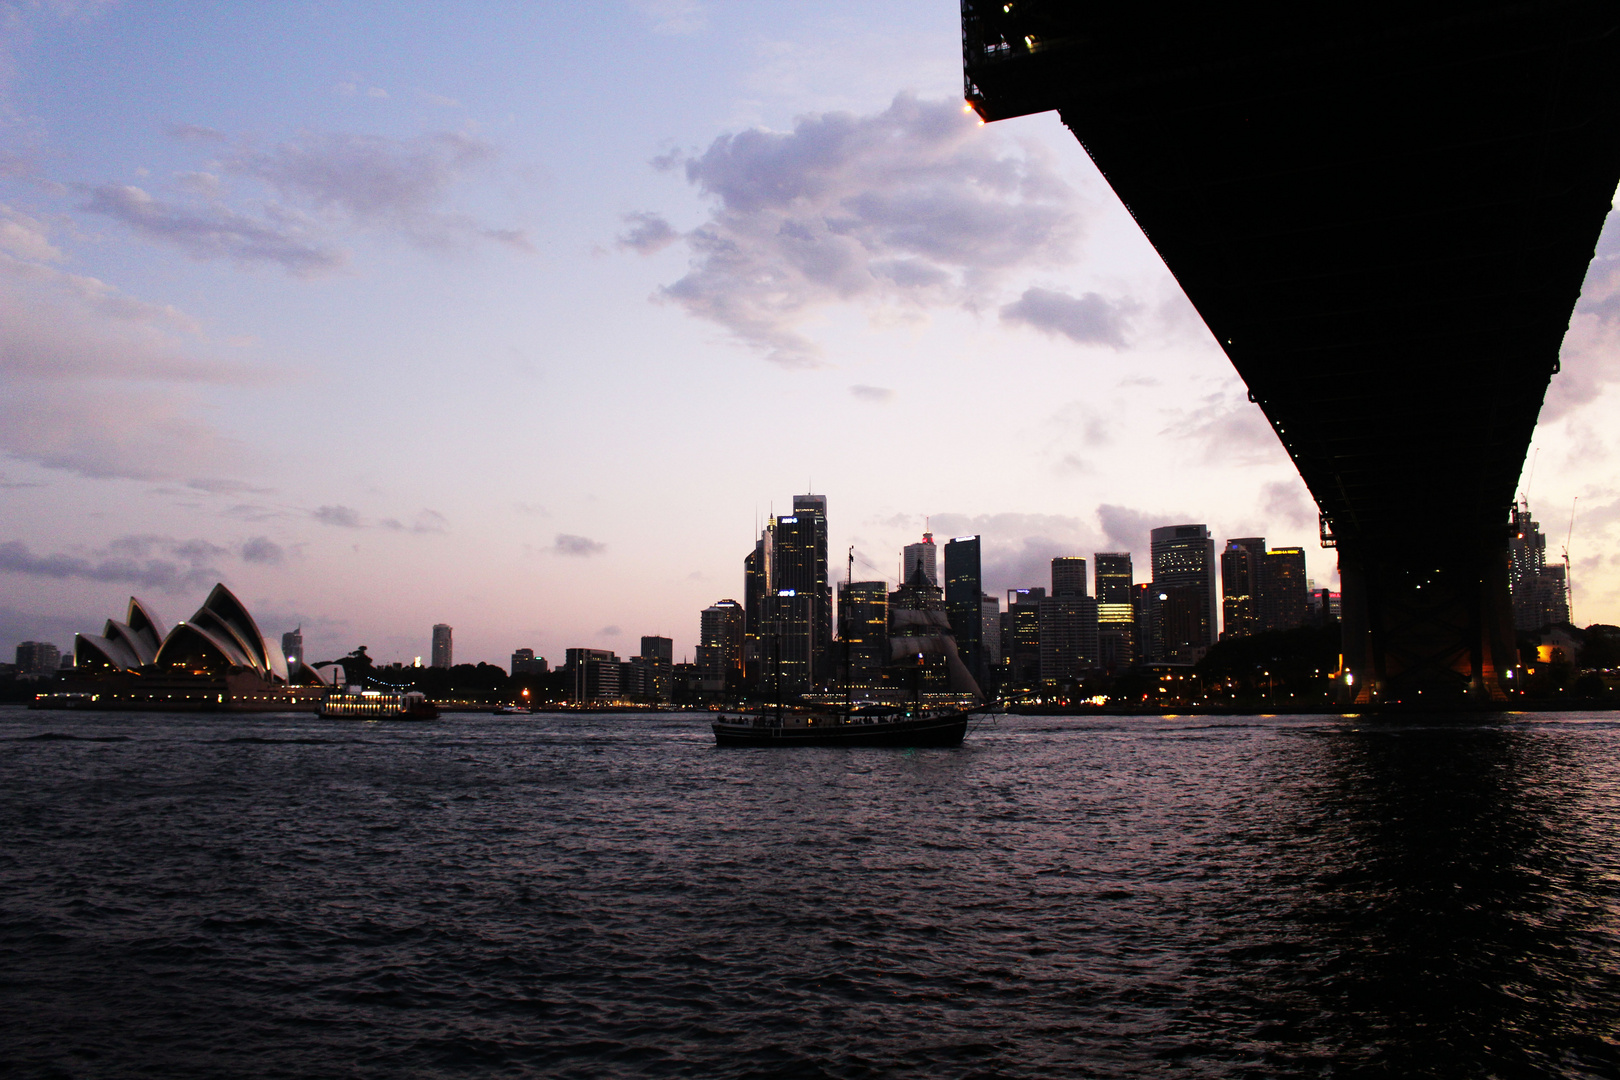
(521, 317)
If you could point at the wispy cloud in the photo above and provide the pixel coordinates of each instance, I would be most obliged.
(878, 395)
(263, 550)
(914, 206)
(211, 231)
(343, 517)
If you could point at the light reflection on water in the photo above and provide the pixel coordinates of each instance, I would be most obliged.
(606, 895)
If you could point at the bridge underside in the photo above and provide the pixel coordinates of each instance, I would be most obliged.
(1385, 220)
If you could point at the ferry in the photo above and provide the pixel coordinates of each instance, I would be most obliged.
(357, 704)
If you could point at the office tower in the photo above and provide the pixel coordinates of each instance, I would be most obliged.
(921, 554)
(756, 585)
(1021, 639)
(1112, 573)
(863, 630)
(787, 663)
(720, 647)
(1243, 565)
(1181, 622)
(1540, 593)
(38, 658)
(441, 646)
(1184, 557)
(990, 635)
(1282, 589)
(1116, 637)
(811, 512)
(525, 662)
(1069, 576)
(657, 658)
(963, 592)
(1068, 637)
(292, 647)
(1149, 623)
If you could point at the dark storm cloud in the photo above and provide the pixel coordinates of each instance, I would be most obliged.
(1090, 319)
(915, 205)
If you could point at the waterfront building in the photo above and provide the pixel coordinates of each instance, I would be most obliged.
(657, 658)
(1112, 572)
(720, 647)
(1068, 624)
(525, 662)
(1184, 558)
(1181, 622)
(594, 676)
(964, 589)
(921, 555)
(801, 567)
(990, 634)
(36, 658)
(756, 585)
(787, 591)
(443, 656)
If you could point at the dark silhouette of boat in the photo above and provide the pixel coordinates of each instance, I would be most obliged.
(856, 728)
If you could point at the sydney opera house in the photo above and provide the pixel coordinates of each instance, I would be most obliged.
(216, 660)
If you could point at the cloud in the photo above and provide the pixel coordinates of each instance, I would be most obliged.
(127, 561)
(1288, 501)
(343, 517)
(1230, 429)
(261, 549)
(1128, 529)
(568, 544)
(649, 233)
(1016, 550)
(675, 17)
(397, 185)
(610, 631)
(1090, 319)
(211, 231)
(428, 521)
(876, 394)
(915, 206)
(95, 381)
(1591, 350)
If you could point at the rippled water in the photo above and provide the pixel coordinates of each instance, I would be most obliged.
(609, 895)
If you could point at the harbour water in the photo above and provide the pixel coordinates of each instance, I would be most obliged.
(283, 896)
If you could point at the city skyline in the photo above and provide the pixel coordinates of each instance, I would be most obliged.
(388, 328)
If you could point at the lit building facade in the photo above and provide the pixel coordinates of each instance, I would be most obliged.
(720, 647)
(1113, 576)
(443, 655)
(922, 555)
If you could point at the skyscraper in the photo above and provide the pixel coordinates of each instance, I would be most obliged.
(990, 639)
(756, 585)
(720, 647)
(657, 663)
(1021, 639)
(441, 646)
(788, 593)
(1068, 623)
(963, 592)
(1112, 570)
(1242, 571)
(863, 627)
(810, 512)
(1283, 603)
(1539, 592)
(1184, 557)
(921, 554)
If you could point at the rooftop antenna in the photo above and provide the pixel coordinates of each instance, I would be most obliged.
(1569, 581)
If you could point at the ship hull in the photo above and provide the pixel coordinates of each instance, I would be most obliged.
(944, 730)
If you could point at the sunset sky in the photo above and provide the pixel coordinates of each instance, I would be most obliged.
(522, 317)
